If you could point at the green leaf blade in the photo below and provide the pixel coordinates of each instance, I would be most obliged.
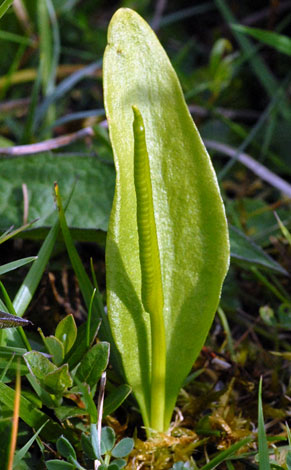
(58, 381)
(123, 448)
(66, 332)
(189, 215)
(38, 365)
(115, 399)
(4, 7)
(56, 348)
(6, 268)
(278, 41)
(93, 364)
(264, 461)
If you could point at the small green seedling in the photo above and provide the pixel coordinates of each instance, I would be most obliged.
(167, 249)
(52, 376)
(110, 457)
(108, 449)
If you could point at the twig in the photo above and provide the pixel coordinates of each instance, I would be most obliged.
(46, 145)
(262, 14)
(8, 106)
(253, 165)
(100, 415)
(29, 75)
(23, 17)
(160, 6)
(25, 203)
(242, 157)
(227, 113)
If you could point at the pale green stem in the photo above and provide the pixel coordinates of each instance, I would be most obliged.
(152, 289)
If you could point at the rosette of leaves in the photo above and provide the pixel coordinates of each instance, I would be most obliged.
(51, 374)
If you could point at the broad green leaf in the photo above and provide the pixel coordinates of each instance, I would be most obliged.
(54, 380)
(56, 348)
(38, 364)
(278, 41)
(123, 448)
(58, 381)
(59, 465)
(65, 448)
(188, 211)
(30, 414)
(93, 364)
(91, 202)
(119, 463)
(66, 412)
(87, 446)
(113, 466)
(80, 347)
(88, 401)
(115, 399)
(66, 332)
(45, 397)
(107, 439)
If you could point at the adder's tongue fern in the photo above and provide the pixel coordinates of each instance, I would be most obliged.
(152, 289)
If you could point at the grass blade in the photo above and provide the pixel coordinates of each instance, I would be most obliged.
(226, 454)
(49, 50)
(30, 415)
(283, 229)
(258, 65)
(6, 268)
(278, 41)
(84, 281)
(10, 233)
(7, 36)
(97, 309)
(11, 309)
(21, 452)
(66, 85)
(264, 462)
(4, 7)
(31, 281)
